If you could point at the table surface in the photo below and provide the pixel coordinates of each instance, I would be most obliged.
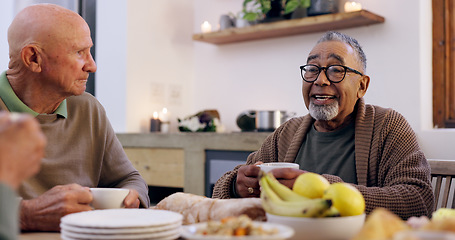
(39, 236)
(43, 236)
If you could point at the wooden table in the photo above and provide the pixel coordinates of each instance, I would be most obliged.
(44, 236)
(39, 236)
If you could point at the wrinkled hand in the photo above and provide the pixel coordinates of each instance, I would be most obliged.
(132, 199)
(287, 176)
(247, 184)
(417, 222)
(44, 212)
(22, 145)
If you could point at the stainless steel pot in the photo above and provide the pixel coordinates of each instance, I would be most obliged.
(268, 121)
(319, 7)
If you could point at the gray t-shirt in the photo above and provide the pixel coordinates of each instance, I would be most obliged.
(329, 153)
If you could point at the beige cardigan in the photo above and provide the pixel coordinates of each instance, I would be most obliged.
(392, 171)
(83, 149)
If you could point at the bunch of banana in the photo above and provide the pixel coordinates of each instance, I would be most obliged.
(442, 213)
(278, 199)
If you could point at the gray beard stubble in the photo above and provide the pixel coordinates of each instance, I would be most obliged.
(323, 112)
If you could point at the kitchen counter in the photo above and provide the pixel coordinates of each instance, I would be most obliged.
(178, 159)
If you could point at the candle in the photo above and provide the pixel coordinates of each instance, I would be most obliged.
(206, 27)
(164, 118)
(155, 123)
(352, 6)
(164, 115)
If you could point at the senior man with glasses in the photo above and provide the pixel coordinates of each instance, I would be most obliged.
(343, 138)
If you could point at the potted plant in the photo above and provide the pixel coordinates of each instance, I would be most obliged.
(272, 10)
(262, 10)
(204, 121)
(297, 8)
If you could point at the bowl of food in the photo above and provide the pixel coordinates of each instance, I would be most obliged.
(241, 227)
(329, 228)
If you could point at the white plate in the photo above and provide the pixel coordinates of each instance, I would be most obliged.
(161, 238)
(122, 218)
(129, 230)
(172, 234)
(164, 238)
(284, 232)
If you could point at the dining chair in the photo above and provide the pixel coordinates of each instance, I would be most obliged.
(442, 177)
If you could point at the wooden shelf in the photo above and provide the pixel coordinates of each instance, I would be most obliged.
(291, 27)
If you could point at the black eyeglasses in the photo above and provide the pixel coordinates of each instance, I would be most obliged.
(334, 73)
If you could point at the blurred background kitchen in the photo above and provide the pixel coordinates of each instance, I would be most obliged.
(147, 61)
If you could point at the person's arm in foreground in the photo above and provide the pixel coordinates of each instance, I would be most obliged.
(21, 148)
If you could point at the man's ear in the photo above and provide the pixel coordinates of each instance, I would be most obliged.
(31, 57)
(363, 86)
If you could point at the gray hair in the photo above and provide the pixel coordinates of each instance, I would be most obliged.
(336, 36)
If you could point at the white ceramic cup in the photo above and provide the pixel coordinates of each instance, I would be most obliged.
(107, 198)
(266, 167)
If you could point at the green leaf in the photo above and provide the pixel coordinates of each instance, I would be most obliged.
(250, 16)
(245, 2)
(291, 5)
(305, 3)
(266, 6)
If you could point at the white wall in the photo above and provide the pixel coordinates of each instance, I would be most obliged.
(161, 59)
(111, 59)
(6, 16)
(264, 74)
(145, 61)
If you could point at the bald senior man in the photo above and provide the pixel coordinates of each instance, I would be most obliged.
(50, 62)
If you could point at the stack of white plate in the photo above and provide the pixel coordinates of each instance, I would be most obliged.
(121, 224)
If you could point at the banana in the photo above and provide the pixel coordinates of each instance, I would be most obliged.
(266, 191)
(283, 191)
(331, 212)
(310, 208)
(273, 204)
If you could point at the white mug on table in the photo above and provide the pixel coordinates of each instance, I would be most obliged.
(107, 198)
(266, 167)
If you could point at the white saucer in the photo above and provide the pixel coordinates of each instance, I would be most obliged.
(76, 236)
(128, 230)
(118, 224)
(122, 218)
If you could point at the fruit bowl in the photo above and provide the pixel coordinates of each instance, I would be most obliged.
(331, 228)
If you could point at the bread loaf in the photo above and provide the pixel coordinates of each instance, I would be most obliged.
(195, 208)
(381, 224)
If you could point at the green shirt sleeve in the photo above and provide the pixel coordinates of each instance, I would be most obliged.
(9, 218)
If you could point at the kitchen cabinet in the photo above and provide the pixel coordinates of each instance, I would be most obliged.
(161, 167)
(283, 28)
(179, 159)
